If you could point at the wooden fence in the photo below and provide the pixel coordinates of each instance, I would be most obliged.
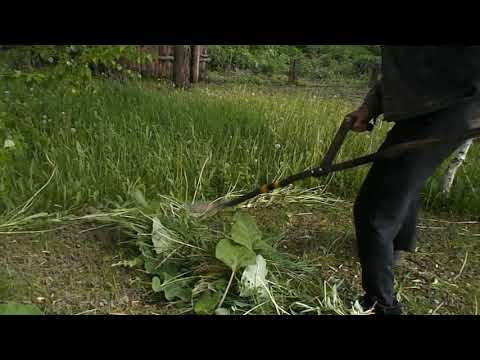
(183, 64)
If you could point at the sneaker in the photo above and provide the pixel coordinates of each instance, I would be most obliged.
(379, 309)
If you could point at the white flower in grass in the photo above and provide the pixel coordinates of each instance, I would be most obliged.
(44, 116)
(73, 130)
(63, 113)
(277, 146)
(6, 92)
(8, 144)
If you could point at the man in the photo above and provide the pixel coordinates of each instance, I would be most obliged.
(427, 91)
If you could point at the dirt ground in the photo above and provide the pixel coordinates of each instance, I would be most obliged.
(441, 277)
(70, 271)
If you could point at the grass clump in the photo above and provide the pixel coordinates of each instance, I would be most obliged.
(197, 144)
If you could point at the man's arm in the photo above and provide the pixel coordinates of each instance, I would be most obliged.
(373, 101)
(370, 109)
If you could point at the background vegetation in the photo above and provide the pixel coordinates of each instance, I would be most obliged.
(79, 131)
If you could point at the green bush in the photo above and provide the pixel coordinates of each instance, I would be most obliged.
(64, 64)
(316, 62)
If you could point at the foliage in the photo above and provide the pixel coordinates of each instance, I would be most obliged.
(316, 62)
(69, 65)
(236, 252)
(259, 59)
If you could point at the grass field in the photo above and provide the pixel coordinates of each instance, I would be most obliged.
(79, 149)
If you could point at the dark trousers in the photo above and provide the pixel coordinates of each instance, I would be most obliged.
(385, 211)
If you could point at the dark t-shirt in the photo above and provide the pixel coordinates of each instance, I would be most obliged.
(418, 80)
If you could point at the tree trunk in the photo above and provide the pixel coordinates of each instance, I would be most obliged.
(180, 76)
(195, 63)
(292, 74)
(458, 158)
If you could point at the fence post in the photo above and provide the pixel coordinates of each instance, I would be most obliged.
(180, 76)
(203, 62)
(195, 64)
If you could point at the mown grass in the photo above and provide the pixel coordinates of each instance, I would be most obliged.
(186, 144)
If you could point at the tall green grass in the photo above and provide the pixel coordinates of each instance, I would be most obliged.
(187, 144)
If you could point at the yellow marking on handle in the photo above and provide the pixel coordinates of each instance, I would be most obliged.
(264, 189)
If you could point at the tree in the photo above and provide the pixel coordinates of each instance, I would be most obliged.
(294, 54)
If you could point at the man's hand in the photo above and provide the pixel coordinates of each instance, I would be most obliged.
(361, 119)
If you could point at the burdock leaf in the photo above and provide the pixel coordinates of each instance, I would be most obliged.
(156, 284)
(207, 302)
(162, 238)
(245, 231)
(261, 245)
(234, 255)
(175, 289)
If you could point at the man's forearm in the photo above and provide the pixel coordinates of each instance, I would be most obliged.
(373, 100)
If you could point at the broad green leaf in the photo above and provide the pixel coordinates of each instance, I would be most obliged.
(145, 250)
(162, 238)
(234, 255)
(218, 285)
(261, 245)
(149, 266)
(207, 302)
(253, 280)
(169, 269)
(19, 309)
(176, 290)
(156, 284)
(245, 231)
